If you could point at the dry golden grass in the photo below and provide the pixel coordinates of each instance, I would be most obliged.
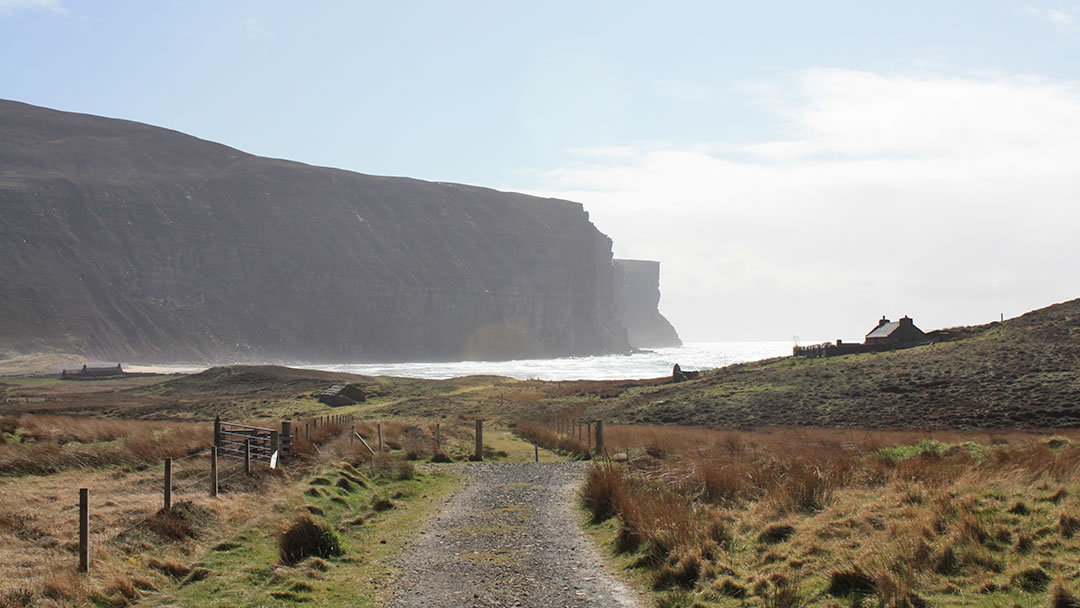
(135, 546)
(809, 517)
(47, 444)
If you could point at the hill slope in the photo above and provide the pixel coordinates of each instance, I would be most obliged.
(126, 241)
(1024, 372)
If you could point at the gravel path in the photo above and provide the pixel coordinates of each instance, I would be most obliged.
(510, 537)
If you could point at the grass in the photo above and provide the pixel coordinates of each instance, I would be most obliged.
(250, 570)
(818, 518)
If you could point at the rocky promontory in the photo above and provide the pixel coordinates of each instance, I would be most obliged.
(125, 241)
(637, 288)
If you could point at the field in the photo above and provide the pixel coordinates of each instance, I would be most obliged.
(840, 518)
(211, 551)
(946, 474)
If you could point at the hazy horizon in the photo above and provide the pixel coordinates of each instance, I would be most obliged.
(797, 170)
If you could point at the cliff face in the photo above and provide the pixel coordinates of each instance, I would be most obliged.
(637, 284)
(126, 241)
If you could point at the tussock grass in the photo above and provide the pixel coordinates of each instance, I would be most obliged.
(815, 517)
(304, 538)
(40, 445)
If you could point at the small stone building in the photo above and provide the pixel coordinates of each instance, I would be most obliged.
(895, 334)
(339, 395)
(91, 372)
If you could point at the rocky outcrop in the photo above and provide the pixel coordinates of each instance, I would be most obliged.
(125, 241)
(638, 298)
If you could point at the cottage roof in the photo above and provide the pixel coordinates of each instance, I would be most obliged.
(332, 391)
(884, 330)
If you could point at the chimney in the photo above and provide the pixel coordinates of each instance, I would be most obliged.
(905, 320)
(883, 321)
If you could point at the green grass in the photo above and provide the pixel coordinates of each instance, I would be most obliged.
(249, 573)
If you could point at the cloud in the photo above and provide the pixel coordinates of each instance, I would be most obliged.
(1063, 19)
(949, 199)
(254, 29)
(10, 6)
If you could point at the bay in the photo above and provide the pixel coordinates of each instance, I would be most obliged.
(644, 364)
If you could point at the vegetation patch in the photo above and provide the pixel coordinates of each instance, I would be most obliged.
(305, 538)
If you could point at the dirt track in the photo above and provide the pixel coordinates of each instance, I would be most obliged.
(510, 537)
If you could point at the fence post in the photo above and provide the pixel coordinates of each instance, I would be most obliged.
(84, 529)
(307, 431)
(379, 427)
(217, 430)
(213, 471)
(286, 437)
(352, 435)
(599, 436)
(479, 439)
(438, 438)
(588, 433)
(536, 451)
(247, 456)
(168, 485)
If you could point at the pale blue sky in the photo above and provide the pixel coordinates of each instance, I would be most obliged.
(713, 136)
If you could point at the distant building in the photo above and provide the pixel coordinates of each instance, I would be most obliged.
(888, 335)
(342, 394)
(91, 372)
(895, 333)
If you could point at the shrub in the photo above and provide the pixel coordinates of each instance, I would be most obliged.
(168, 568)
(180, 523)
(604, 489)
(1069, 525)
(776, 533)
(305, 538)
(850, 582)
(379, 503)
(1061, 597)
(404, 470)
(1032, 580)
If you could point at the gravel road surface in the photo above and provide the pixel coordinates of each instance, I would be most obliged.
(509, 538)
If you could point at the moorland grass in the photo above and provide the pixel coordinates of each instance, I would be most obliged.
(798, 517)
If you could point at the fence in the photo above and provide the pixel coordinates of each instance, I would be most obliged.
(202, 471)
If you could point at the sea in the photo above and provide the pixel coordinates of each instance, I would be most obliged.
(652, 363)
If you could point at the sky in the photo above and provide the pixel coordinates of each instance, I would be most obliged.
(798, 168)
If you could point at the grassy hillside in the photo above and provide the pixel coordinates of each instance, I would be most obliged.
(1024, 372)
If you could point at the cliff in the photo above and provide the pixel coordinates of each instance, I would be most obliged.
(125, 241)
(637, 286)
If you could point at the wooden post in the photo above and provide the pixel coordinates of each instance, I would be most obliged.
(275, 443)
(307, 431)
(168, 485)
(247, 456)
(352, 436)
(379, 427)
(286, 436)
(213, 471)
(536, 450)
(588, 433)
(84, 529)
(479, 439)
(217, 431)
(599, 436)
(438, 438)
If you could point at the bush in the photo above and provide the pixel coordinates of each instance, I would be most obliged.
(603, 491)
(305, 538)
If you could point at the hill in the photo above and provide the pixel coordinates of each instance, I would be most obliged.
(124, 241)
(1023, 373)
